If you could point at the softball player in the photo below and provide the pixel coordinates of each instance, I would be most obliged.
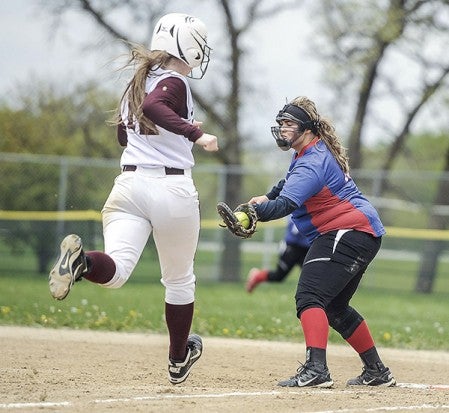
(293, 251)
(345, 232)
(155, 192)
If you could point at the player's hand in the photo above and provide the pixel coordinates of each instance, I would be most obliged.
(208, 142)
(258, 199)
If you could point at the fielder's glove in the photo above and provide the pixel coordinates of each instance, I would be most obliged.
(234, 224)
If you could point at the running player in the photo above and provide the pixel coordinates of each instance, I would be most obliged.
(155, 192)
(294, 248)
(345, 232)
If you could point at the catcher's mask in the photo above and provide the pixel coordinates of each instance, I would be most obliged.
(184, 37)
(298, 115)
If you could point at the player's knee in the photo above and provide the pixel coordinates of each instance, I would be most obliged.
(116, 282)
(180, 293)
(120, 277)
(307, 300)
(344, 321)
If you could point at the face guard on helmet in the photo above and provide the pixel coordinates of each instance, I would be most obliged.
(295, 114)
(184, 37)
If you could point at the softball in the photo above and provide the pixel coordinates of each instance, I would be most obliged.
(243, 219)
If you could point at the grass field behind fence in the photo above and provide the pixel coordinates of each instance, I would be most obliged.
(397, 316)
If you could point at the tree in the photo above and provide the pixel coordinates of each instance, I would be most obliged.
(432, 249)
(366, 44)
(48, 119)
(46, 122)
(221, 102)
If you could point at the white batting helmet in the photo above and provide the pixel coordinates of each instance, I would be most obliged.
(184, 37)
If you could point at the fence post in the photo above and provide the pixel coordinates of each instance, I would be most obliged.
(62, 196)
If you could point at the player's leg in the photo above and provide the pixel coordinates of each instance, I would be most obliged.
(125, 234)
(313, 293)
(334, 260)
(314, 323)
(126, 229)
(125, 237)
(176, 225)
(353, 328)
(292, 255)
(289, 256)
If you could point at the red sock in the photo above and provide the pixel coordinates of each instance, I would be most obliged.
(315, 326)
(361, 339)
(101, 267)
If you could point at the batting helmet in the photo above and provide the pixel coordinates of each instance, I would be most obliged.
(184, 37)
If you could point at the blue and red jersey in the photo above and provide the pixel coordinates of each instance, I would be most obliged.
(327, 198)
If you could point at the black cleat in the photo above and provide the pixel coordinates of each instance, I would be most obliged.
(311, 374)
(178, 371)
(377, 376)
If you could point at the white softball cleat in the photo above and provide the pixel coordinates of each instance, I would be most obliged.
(68, 268)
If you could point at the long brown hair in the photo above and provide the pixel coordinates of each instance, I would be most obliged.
(144, 61)
(326, 131)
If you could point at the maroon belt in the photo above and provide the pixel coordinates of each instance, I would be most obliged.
(168, 171)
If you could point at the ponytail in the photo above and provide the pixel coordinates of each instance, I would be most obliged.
(145, 61)
(326, 131)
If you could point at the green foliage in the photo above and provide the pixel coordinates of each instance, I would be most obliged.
(57, 121)
(423, 152)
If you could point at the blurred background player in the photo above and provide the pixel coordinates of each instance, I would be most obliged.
(293, 250)
(155, 193)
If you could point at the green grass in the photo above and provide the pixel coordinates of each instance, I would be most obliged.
(397, 318)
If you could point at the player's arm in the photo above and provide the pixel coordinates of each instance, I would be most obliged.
(275, 208)
(276, 190)
(166, 107)
(122, 136)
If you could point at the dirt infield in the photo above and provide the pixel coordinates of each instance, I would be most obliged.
(83, 371)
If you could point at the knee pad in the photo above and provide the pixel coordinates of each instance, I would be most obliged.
(344, 322)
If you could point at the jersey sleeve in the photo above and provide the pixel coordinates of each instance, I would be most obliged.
(166, 107)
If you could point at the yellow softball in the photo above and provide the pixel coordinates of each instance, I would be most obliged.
(243, 219)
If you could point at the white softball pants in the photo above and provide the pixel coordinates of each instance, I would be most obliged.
(147, 201)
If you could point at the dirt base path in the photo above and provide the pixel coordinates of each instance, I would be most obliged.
(86, 371)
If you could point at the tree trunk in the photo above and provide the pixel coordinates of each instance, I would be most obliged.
(428, 267)
(432, 248)
(383, 39)
(230, 260)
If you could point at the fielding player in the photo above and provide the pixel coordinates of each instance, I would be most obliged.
(155, 192)
(345, 232)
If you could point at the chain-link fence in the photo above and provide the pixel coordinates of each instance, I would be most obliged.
(73, 191)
